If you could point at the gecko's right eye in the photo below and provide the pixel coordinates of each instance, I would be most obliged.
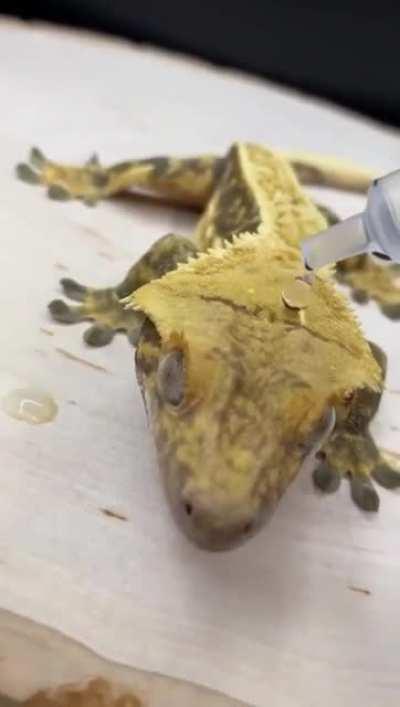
(171, 378)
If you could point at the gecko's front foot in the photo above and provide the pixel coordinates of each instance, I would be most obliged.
(101, 306)
(105, 306)
(369, 279)
(88, 183)
(351, 452)
(355, 456)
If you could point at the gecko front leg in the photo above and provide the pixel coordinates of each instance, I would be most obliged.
(105, 308)
(351, 451)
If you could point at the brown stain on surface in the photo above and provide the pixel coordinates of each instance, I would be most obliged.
(105, 255)
(360, 590)
(87, 230)
(78, 359)
(97, 693)
(113, 514)
(60, 266)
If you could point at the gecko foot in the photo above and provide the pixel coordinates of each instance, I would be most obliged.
(355, 456)
(369, 279)
(105, 306)
(88, 183)
(102, 306)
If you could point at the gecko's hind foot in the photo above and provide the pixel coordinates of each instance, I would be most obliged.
(101, 306)
(369, 279)
(88, 183)
(356, 457)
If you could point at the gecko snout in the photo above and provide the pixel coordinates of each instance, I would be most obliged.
(215, 524)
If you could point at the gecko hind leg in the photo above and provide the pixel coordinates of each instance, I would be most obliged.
(369, 279)
(186, 181)
(104, 307)
(351, 452)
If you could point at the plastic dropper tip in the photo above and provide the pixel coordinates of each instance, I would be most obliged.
(343, 240)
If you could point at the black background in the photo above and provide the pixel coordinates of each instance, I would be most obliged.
(345, 51)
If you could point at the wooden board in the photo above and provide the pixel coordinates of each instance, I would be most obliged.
(280, 621)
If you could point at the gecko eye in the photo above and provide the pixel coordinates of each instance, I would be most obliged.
(171, 377)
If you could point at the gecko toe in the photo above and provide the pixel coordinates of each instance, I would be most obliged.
(360, 296)
(392, 311)
(89, 201)
(62, 312)
(73, 289)
(363, 493)
(325, 478)
(37, 158)
(386, 476)
(98, 335)
(58, 193)
(26, 173)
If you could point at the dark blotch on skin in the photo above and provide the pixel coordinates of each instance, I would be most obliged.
(308, 173)
(121, 167)
(218, 169)
(160, 165)
(236, 210)
(100, 179)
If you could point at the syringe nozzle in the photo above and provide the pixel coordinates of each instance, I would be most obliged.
(343, 240)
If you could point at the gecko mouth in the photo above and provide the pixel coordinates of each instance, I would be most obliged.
(209, 532)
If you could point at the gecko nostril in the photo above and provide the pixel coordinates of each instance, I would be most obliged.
(188, 509)
(247, 528)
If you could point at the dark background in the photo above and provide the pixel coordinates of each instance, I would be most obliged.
(345, 51)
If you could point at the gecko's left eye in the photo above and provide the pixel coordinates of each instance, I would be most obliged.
(171, 378)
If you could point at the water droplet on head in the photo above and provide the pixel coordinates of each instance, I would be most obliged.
(297, 294)
(29, 405)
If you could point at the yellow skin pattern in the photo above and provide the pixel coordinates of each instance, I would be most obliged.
(242, 386)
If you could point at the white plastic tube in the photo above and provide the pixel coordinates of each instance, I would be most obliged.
(377, 229)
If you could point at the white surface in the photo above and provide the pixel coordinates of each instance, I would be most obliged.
(274, 622)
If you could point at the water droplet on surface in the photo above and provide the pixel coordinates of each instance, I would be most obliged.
(29, 405)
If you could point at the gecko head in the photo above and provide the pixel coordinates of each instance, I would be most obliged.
(232, 426)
